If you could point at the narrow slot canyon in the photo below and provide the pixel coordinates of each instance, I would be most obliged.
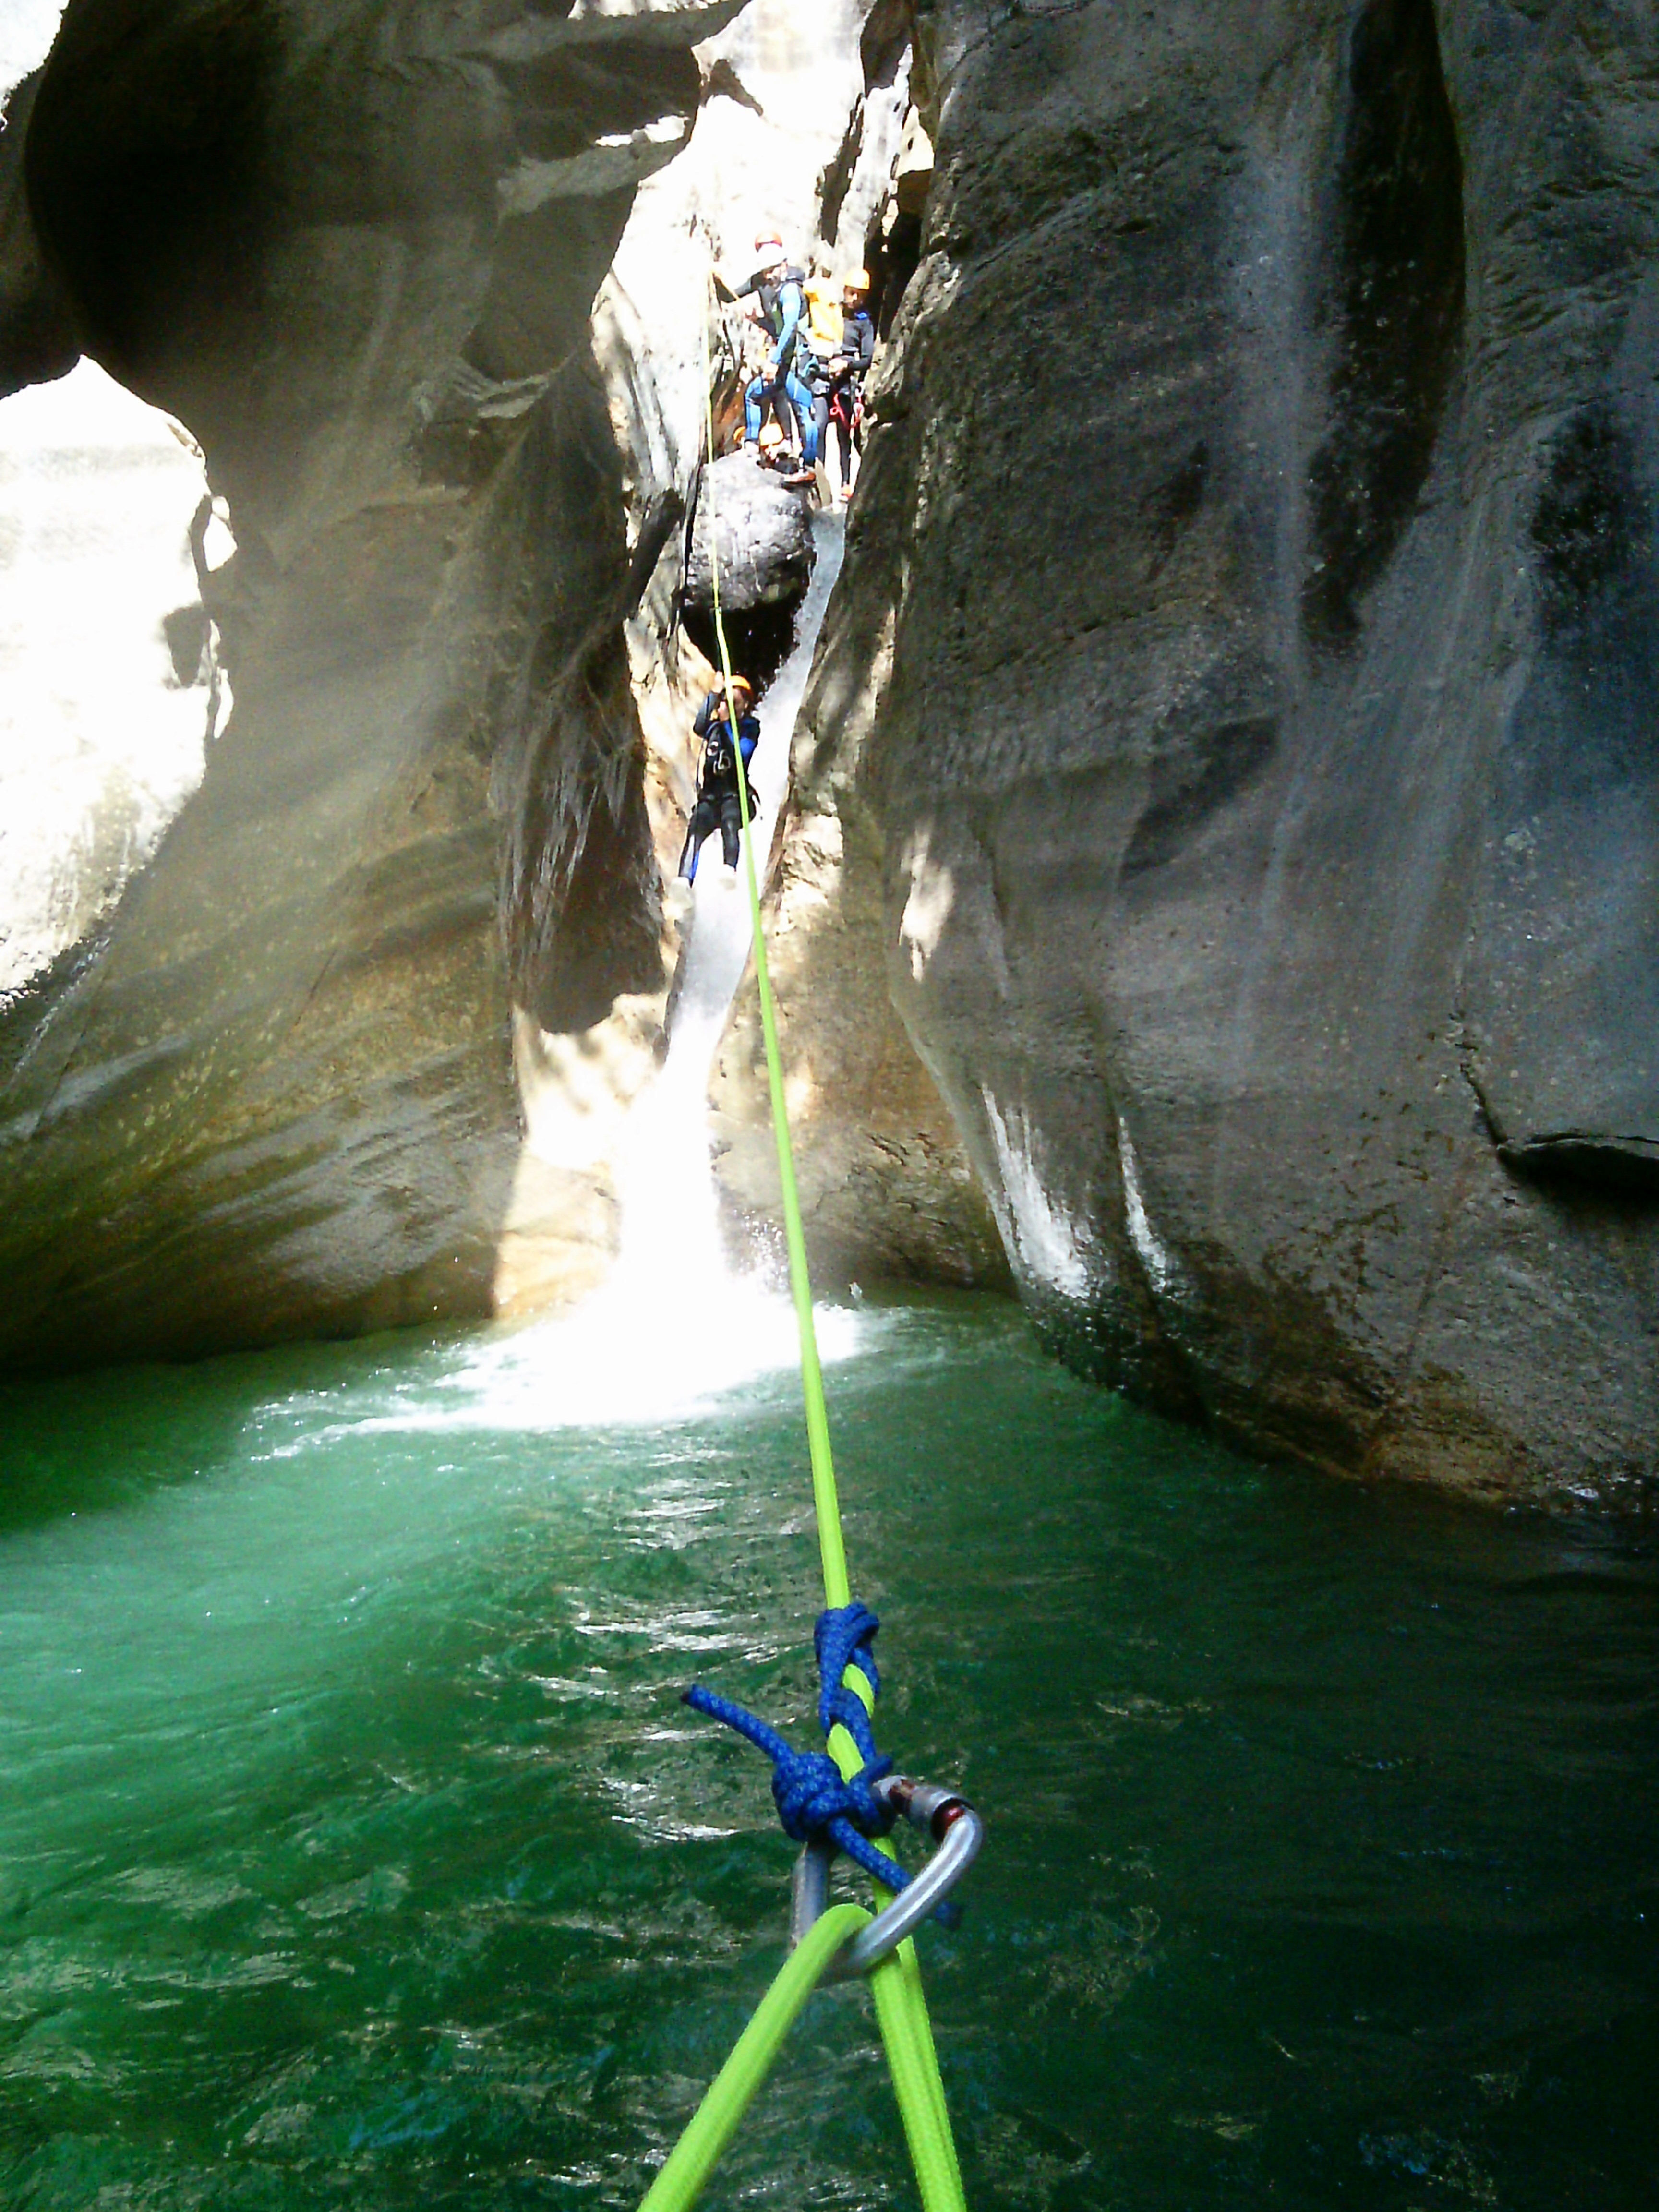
(1155, 1199)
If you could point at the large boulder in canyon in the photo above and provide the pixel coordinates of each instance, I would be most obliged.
(753, 530)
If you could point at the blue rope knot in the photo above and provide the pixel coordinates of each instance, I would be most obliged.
(813, 1800)
(811, 1795)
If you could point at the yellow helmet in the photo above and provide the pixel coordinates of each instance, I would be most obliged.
(856, 280)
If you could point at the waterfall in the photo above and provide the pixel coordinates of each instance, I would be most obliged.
(675, 1323)
(665, 1181)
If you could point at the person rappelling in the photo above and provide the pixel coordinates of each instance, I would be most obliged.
(718, 804)
(778, 291)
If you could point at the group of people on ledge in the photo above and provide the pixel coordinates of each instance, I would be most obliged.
(811, 382)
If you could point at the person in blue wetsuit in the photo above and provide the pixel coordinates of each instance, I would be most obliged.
(719, 805)
(787, 378)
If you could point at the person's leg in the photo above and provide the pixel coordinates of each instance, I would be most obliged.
(702, 821)
(821, 423)
(731, 830)
(753, 397)
(782, 413)
(833, 444)
(855, 436)
(801, 400)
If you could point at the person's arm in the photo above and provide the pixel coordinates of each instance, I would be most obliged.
(866, 335)
(744, 295)
(700, 719)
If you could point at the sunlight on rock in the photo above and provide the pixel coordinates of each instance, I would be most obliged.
(927, 908)
(109, 688)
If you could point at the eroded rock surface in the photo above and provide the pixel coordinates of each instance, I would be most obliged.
(1234, 733)
(354, 250)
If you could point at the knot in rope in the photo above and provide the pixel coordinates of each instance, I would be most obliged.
(814, 1802)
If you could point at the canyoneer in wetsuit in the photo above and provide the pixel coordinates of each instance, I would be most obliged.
(783, 382)
(719, 806)
(838, 388)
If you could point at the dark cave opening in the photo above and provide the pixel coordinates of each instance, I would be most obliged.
(891, 257)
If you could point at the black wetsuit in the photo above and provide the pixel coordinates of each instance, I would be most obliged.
(719, 806)
(836, 399)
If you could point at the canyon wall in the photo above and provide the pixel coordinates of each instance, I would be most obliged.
(1233, 739)
(354, 250)
(347, 695)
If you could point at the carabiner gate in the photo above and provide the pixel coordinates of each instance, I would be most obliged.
(957, 1831)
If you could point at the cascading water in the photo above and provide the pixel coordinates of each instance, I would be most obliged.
(668, 1225)
(676, 1322)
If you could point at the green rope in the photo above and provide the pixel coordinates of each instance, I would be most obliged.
(826, 1505)
(732, 2090)
(895, 1983)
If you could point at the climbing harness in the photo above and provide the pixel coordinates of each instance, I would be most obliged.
(848, 1797)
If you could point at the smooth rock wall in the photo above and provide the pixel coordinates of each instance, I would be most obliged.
(1234, 730)
(354, 250)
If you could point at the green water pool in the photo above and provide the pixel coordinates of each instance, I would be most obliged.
(355, 1851)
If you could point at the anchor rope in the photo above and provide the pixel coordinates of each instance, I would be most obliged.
(849, 1681)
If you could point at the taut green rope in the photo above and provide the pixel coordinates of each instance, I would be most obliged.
(832, 1549)
(895, 1983)
(731, 2093)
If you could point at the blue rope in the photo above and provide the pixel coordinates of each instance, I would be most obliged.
(812, 1799)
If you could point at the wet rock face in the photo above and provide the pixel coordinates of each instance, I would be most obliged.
(355, 249)
(1239, 710)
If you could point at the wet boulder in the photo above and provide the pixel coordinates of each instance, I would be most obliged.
(762, 535)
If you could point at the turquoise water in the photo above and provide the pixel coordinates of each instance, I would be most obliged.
(355, 1851)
